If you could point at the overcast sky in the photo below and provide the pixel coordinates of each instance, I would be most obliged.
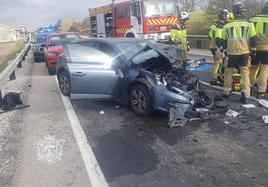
(38, 13)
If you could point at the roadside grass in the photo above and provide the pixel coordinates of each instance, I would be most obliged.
(199, 24)
(11, 55)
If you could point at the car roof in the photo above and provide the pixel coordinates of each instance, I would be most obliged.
(61, 33)
(111, 40)
(42, 34)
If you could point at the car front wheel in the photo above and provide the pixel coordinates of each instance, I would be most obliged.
(140, 100)
(64, 83)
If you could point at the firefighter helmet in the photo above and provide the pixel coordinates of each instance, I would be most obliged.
(184, 16)
(224, 14)
(238, 8)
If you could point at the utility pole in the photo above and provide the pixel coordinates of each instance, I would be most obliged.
(113, 18)
(227, 4)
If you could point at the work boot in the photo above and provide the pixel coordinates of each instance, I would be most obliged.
(243, 99)
(253, 90)
(216, 83)
(261, 95)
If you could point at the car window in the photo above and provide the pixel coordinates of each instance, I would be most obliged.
(81, 54)
(120, 13)
(89, 43)
(107, 49)
(60, 39)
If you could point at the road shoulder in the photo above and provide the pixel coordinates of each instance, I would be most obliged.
(47, 118)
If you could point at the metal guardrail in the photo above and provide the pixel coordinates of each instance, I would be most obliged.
(9, 72)
(199, 39)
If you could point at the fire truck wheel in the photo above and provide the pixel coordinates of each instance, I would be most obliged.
(130, 35)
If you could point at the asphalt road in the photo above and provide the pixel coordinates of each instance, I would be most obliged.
(46, 118)
(136, 151)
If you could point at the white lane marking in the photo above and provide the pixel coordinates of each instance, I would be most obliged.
(94, 172)
(220, 88)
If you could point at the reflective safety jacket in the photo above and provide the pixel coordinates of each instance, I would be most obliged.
(178, 35)
(217, 33)
(212, 38)
(239, 37)
(261, 25)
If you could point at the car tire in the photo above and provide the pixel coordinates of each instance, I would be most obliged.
(64, 83)
(130, 35)
(51, 71)
(36, 59)
(140, 100)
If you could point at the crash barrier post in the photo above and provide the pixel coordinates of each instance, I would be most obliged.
(1, 99)
(9, 72)
(198, 40)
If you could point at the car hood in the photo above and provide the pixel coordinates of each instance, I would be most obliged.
(57, 49)
(173, 52)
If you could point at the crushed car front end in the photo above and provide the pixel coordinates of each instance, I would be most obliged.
(173, 89)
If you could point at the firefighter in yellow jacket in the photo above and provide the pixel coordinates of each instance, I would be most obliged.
(178, 33)
(215, 32)
(239, 38)
(260, 60)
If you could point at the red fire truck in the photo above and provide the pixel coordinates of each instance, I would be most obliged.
(147, 19)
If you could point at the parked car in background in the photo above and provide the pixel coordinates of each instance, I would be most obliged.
(38, 51)
(53, 48)
(128, 70)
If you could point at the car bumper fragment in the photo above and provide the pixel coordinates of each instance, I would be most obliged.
(180, 114)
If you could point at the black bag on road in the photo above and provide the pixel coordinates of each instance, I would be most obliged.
(11, 100)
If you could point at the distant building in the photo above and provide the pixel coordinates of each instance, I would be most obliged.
(8, 34)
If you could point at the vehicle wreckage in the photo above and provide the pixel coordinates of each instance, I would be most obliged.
(177, 91)
(145, 75)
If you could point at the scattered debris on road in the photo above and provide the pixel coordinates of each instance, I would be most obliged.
(264, 103)
(248, 106)
(102, 112)
(18, 108)
(201, 109)
(11, 100)
(232, 113)
(265, 119)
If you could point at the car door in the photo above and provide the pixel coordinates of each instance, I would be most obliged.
(93, 76)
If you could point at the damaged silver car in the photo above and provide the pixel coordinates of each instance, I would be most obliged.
(146, 76)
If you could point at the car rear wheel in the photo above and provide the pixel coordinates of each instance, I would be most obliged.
(64, 83)
(36, 59)
(140, 100)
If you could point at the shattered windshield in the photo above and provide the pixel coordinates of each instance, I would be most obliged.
(158, 7)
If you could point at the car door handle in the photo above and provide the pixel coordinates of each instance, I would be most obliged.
(79, 74)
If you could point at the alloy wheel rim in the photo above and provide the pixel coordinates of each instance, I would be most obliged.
(64, 85)
(138, 100)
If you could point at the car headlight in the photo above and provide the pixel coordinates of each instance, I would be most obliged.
(51, 54)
